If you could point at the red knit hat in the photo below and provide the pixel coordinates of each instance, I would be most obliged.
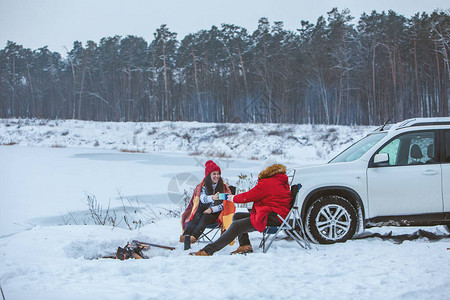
(210, 167)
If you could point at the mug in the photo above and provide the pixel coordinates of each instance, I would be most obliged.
(223, 196)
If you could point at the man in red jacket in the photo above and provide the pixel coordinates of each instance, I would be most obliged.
(271, 196)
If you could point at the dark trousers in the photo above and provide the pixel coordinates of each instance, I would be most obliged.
(197, 225)
(240, 228)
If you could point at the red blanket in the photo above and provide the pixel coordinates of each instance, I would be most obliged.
(225, 217)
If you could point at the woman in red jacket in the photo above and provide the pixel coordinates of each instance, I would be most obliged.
(271, 195)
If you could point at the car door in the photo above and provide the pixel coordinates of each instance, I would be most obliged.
(446, 172)
(411, 183)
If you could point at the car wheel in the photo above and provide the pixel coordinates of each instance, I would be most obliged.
(331, 219)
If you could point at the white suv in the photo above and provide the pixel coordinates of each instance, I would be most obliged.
(398, 176)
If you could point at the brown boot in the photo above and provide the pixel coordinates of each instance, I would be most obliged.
(193, 239)
(181, 238)
(243, 250)
(199, 253)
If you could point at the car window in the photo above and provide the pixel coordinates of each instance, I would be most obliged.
(358, 149)
(411, 149)
(447, 145)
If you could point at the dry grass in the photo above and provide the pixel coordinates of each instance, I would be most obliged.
(131, 151)
(195, 153)
(10, 144)
(58, 146)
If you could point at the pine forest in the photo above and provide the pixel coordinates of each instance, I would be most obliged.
(339, 70)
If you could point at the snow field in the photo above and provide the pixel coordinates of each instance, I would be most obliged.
(50, 262)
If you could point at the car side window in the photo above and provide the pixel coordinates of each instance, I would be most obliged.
(411, 149)
(447, 145)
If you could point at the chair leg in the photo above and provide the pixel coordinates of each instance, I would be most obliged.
(207, 237)
(302, 233)
(204, 235)
(214, 236)
(300, 238)
(263, 241)
(270, 239)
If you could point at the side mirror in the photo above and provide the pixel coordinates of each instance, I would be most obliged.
(381, 159)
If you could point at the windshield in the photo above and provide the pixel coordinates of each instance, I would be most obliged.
(357, 150)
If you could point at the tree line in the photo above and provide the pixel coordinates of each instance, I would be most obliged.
(336, 71)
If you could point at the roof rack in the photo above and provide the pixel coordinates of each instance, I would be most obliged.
(422, 122)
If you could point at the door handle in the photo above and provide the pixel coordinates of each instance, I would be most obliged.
(429, 172)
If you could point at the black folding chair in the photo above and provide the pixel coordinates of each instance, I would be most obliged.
(292, 225)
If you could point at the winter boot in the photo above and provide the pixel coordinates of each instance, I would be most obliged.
(199, 253)
(243, 250)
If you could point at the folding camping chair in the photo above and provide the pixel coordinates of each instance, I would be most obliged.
(292, 226)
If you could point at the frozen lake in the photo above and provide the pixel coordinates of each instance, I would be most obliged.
(40, 185)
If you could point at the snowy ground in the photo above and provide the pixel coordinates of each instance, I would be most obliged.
(43, 188)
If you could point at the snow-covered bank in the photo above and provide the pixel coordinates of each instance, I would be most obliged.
(311, 143)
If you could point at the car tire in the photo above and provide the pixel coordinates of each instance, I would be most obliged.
(331, 219)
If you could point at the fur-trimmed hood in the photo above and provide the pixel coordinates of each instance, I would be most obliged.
(272, 170)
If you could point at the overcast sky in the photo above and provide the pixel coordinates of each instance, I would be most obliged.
(58, 23)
